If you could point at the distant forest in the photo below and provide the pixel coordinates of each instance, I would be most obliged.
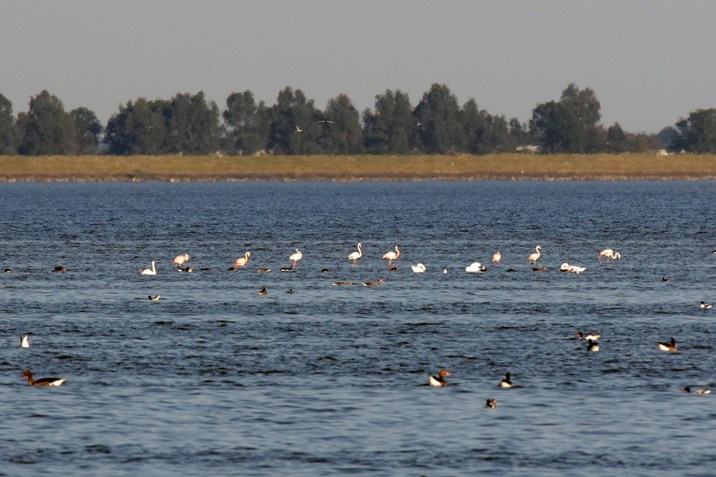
(437, 124)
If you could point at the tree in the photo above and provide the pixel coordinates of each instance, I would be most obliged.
(437, 117)
(8, 128)
(485, 133)
(46, 128)
(247, 124)
(388, 130)
(341, 130)
(294, 126)
(138, 128)
(87, 130)
(616, 139)
(570, 125)
(192, 125)
(697, 133)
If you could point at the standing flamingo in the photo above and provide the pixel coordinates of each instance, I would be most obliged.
(390, 256)
(295, 257)
(353, 257)
(609, 253)
(180, 259)
(496, 257)
(534, 256)
(242, 261)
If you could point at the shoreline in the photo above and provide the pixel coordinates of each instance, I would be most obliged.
(463, 167)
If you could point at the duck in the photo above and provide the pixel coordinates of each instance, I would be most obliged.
(491, 404)
(25, 341)
(419, 268)
(380, 281)
(242, 261)
(263, 291)
(263, 270)
(148, 271)
(439, 380)
(290, 291)
(187, 269)
(60, 269)
(154, 297)
(42, 381)
(705, 306)
(687, 389)
(343, 283)
(565, 267)
(8, 270)
(669, 347)
(475, 267)
(180, 259)
(592, 345)
(506, 381)
(590, 336)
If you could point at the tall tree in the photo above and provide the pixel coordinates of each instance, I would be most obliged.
(570, 125)
(697, 133)
(87, 130)
(247, 124)
(294, 126)
(138, 128)
(341, 129)
(388, 130)
(8, 128)
(192, 125)
(616, 139)
(46, 128)
(437, 116)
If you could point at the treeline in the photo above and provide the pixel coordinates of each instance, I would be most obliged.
(437, 124)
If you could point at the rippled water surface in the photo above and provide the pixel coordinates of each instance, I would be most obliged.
(216, 379)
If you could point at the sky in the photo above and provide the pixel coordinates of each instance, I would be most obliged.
(650, 63)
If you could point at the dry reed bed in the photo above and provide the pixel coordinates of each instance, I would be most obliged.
(354, 168)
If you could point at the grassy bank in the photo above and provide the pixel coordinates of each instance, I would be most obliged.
(354, 168)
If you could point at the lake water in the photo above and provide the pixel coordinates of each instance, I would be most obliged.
(216, 379)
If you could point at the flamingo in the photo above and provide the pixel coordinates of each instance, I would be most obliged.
(534, 256)
(242, 261)
(439, 380)
(180, 259)
(390, 256)
(42, 381)
(353, 257)
(565, 267)
(609, 253)
(148, 271)
(496, 257)
(295, 257)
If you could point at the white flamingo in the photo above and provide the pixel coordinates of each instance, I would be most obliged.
(534, 256)
(353, 257)
(180, 259)
(148, 271)
(295, 257)
(391, 256)
(610, 254)
(242, 261)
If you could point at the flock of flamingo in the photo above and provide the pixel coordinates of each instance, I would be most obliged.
(181, 262)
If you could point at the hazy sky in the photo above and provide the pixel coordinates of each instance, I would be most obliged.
(649, 62)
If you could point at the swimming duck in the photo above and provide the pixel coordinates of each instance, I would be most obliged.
(669, 347)
(187, 269)
(506, 381)
(590, 336)
(380, 281)
(263, 269)
(439, 380)
(25, 341)
(592, 345)
(60, 269)
(705, 306)
(154, 297)
(539, 269)
(419, 268)
(491, 404)
(263, 291)
(687, 389)
(343, 283)
(42, 381)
